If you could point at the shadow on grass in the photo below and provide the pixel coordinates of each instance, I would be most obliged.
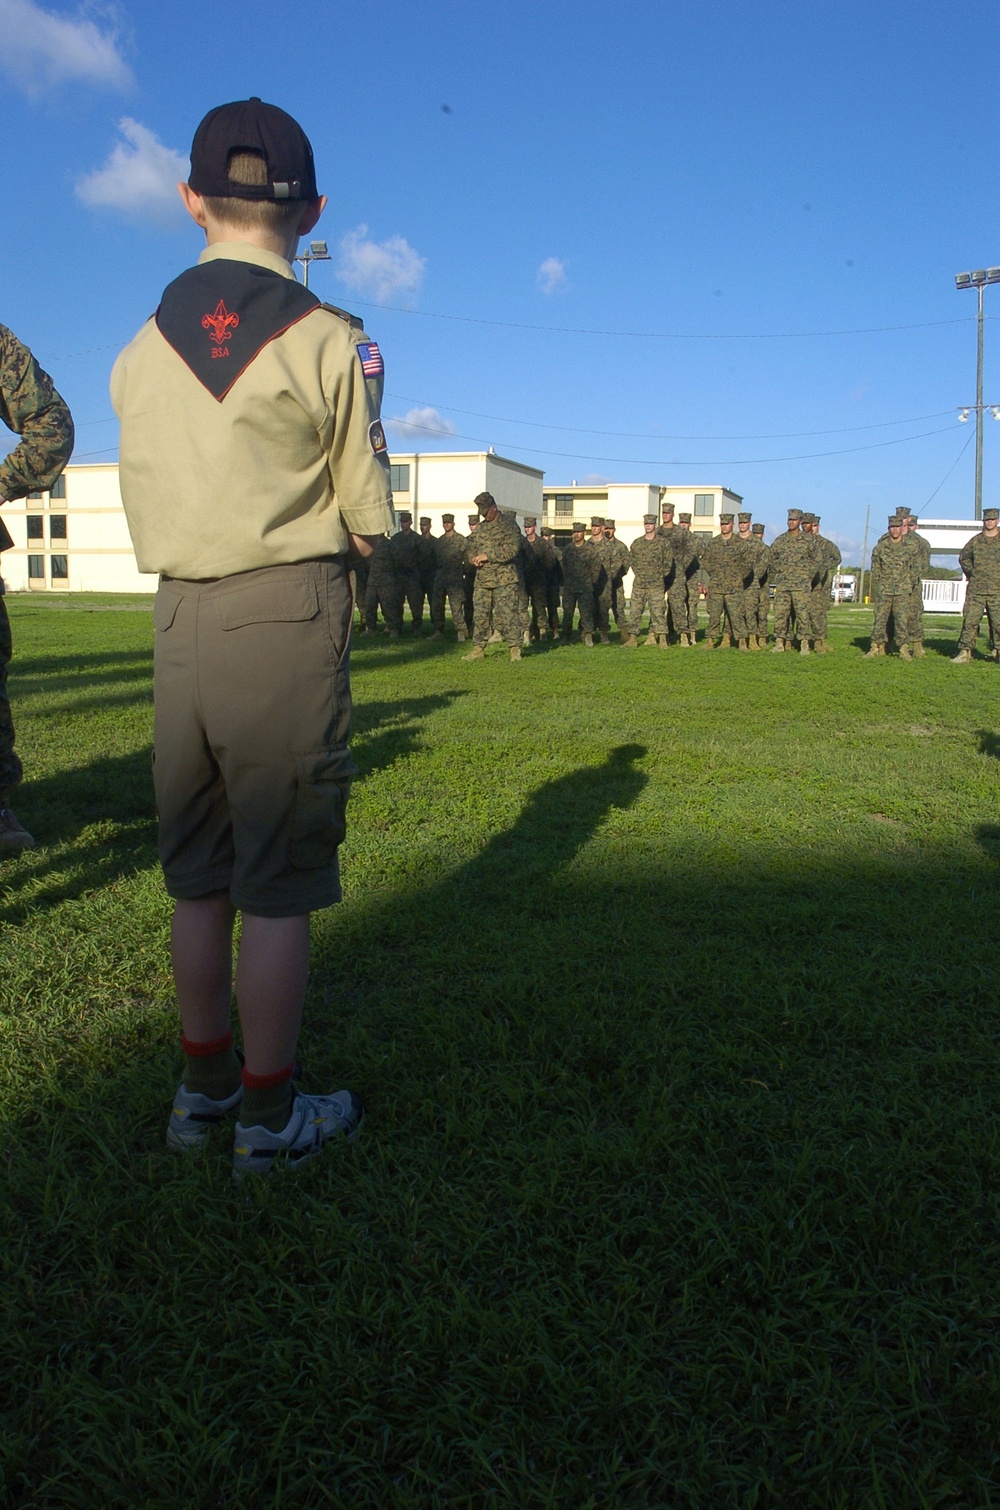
(989, 743)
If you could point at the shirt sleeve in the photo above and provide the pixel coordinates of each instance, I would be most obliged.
(31, 407)
(358, 455)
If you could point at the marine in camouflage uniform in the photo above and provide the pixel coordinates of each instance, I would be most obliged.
(540, 560)
(819, 602)
(729, 568)
(470, 572)
(31, 407)
(757, 554)
(404, 547)
(980, 561)
(553, 581)
(762, 589)
(493, 550)
(596, 545)
(895, 564)
(428, 564)
(917, 600)
(692, 577)
(383, 591)
(579, 572)
(611, 599)
(793, 566)
(651, 560)
(449, 579)
(676, 583)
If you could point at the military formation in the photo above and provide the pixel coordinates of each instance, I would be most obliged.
(503, 585)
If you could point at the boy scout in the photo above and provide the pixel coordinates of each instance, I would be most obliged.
(253, 462)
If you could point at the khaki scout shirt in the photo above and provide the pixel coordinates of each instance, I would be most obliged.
(278, 470)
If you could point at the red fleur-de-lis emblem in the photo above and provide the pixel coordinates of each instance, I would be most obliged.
(221, 323)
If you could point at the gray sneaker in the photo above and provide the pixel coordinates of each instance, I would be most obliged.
(14, 837)
(193, 1116)
(314, 1120)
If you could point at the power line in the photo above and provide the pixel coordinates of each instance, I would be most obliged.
(660, 335)
(505, 419)
(633, 461)
(951, 469)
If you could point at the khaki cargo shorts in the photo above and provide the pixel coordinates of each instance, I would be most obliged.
(252, 700)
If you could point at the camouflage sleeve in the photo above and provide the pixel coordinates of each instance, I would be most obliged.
(965, 558)
(31, 407)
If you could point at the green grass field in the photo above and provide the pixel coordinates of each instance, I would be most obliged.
(670, 982)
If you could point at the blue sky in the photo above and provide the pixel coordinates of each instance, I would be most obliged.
(618, 252)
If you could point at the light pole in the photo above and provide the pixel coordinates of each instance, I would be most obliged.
(318, 253)
(978, 280)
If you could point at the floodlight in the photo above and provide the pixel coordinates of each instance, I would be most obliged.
(963, 280)
(993, 275)
(318, 249)
(963, 418)
(996, 411)
(979, 276)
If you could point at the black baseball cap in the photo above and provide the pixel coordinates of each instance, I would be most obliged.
(252, 126)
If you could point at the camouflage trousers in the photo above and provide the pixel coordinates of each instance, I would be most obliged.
(452, 588)
(726, 608)
(470, 593)
(694, 598)
(611, 600)
(678, 611)
(411, 588)
(819, 602)
(976, 604)
(916, 624)
(755, 610)
(10, 766)
(543, 614)
(573, 600)
(789, 601)
(496, 608)
(651, 597)
(384, 593)
(898, 604)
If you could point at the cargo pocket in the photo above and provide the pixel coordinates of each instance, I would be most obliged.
(320, 820)
(165, 606)
(273, 602)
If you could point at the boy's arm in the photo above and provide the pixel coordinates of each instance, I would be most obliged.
(358, 455)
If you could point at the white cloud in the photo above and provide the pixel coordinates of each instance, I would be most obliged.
(552, 275)
(388, 271)
(139, 179)
(39, 49)
(422, 422)
(595, 479)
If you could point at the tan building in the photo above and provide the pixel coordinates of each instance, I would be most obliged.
(626, 502)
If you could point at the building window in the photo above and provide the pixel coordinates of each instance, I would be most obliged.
(36, 567)
(58, 488)
(564, 503)
(399, 478)
(36, 495)
(704, 503)
(58, 566)
(702, 534)
(35, 529)
(57, 526)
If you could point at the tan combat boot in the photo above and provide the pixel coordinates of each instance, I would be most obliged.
(650, 639)
(437, 635)
(605, 637)
(631, 643)
(961, 658)
(526, 638)
(918, 650)
(463, 634)
(515, 652)
(743, 645)
(726, 640)
(874, 652)
(904, 653)
(475, 654)
(820, 647)
(664, 641)
(803, 647)
(685, 640)
(778, 647)
(588, 640)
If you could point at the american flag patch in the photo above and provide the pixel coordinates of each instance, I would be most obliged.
(371, 359)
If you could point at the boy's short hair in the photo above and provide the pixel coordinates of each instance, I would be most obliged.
(273, 215)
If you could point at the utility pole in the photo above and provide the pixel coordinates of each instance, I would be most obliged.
(978, 280)
(864, 552)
